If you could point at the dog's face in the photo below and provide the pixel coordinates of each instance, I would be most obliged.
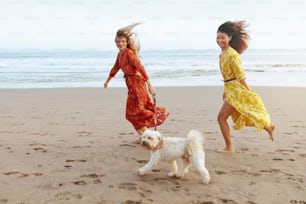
(150, 139)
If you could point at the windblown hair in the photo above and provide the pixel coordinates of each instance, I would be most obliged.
(237, 30)
(132, 42)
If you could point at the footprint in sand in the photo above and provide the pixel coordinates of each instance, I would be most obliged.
(66, 195)
(302, 155)
(227, 201)
(21, 175)
(246, 172)
(297, 147)
(62, 140)
(128, 186)
(94, 175)
(126, 145)
(167, 180)
(37, 174)
(299, 126)
(290, 133)
(96, 181)
(86, 146)
(84, 133)
(40, 149)
(144, 193)
(79, 183)
(177, 188)
(220, 172)
(270, 171)
(209, 133)
(3, 200)
(40, 133)
(11, 173)
(250, 202)
(140, 161)
(280, 159)
(133, 202)
(298, 201)
(206, 202)
(77, 160)
(285, 150)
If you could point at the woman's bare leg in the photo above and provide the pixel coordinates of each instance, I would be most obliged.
(140, 132)
(225, 111)
(270, 131)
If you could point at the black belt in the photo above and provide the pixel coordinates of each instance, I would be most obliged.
(229, 80)
(126, 75)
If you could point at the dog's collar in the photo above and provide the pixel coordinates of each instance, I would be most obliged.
(159, 145)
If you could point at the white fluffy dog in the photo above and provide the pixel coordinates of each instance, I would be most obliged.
(169, 149)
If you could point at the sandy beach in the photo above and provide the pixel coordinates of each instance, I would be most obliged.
(75, 146)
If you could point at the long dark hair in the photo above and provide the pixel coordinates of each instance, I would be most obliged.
(237, 30)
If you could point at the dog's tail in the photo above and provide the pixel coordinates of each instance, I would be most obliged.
(195, 136)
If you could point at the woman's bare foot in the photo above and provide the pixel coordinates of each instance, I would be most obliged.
(226, 150)
(140, 132)
(270, 131)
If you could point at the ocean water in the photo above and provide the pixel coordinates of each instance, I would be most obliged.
(62, 68)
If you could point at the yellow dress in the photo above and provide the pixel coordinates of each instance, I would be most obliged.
(250, 110)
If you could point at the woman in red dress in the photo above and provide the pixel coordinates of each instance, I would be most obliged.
(139, 107)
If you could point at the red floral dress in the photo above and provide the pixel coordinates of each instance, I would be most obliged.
(139, 108)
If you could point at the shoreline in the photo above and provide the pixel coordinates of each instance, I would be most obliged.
(158, 87)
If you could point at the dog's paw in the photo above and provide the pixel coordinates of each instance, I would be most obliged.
(206, 180)
(180, 175)
(171, 174)
(141, 172)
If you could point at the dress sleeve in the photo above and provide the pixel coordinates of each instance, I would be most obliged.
(135, 62)
(115, 68)
(237, 67)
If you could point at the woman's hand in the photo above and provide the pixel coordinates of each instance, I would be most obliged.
(244, 83)
(106, 82)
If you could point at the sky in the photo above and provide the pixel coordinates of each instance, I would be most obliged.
(165, 24)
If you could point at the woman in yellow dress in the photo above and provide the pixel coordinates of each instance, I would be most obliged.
(240, 102)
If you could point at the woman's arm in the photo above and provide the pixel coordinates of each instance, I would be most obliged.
(107, 81)
(150, 87)
(238, 70)
(112, 73)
